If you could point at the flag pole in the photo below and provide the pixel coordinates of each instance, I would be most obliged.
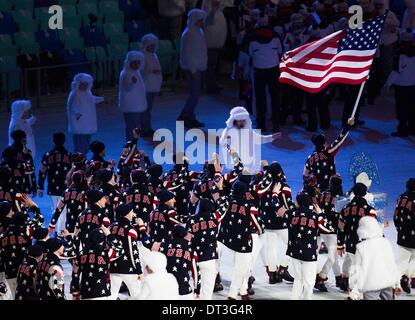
(358, 99)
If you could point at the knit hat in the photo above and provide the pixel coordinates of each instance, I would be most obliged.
(94, 196)
(78, 157)
(410, 184)
(104, 175)
(318, 139)
(5, 208)
(35, 251)
(5, 174)
(40, 233)
(238, 113)
(138, 177)
(123, 209)
(304, 200)
(19, 219)
(97, 147)
(54, 244)
(179, 232)
(18, 135)
(155, 171)
(165, 195)
(59, 138)
(239, 188)
(359, 189)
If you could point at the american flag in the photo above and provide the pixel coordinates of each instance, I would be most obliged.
(344, 56)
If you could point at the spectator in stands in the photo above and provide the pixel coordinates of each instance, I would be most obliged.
(152, 77)
(81, 109)
(172, 11)
(22, 119)
(193, 61)
(215, 32)
(132, 93)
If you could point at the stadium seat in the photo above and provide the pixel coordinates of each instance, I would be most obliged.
(114, 17)
(23, 5)
(68, 2)
(107, 6)
(73, 43)
(6, 5)
(9, 70)
(7, 24)
(167, 56)
(72, 56)
(136, 30)
(129, 5)
(116, 53)
(68, 10)
(49, 40)
(111, 29)
(44, 3)
(119, 38)
(7, 47)
(29, 26)
(68, 33)
(22, 15)
(85, 8)
(32, 48)
(135, 46)
(98, 58)
(24, 38)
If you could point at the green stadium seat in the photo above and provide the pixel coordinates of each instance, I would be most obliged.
(98, 57)
(167, 56)
(5, 40)
(24, 38)
(10, 71)
(73, 43)
(72, 21)
(6, 5)
(119, 38)
(22, 15)
(29, 26)
(7, 48)
(108, 6)
(32, 48)
(40, 13)
(23, 4)
(68, 2)
(111, 29)
(68, 10)
(85, 8)
(68, 33)
(117, 50)
(114, 17)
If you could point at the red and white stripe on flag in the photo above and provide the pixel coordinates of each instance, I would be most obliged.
(314, 65)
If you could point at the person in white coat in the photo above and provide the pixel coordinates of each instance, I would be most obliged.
(132, 93)
(82, 113)
(193, 61)
(152, 77)
(157, 283)
(22, 119)
(216, 30)
(374, 273)
(240, 136)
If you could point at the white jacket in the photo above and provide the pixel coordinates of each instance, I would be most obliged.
(246, 142)
(216, 27)
(193, 48)
(17, 123)
(152, 81)
(158, 285)
(375, 267)
(82, 103)
(406, 74)
(132, 96)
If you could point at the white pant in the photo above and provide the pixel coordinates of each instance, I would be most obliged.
(304, 279)
(332, 261)
(189, 296)
(100, 298)
(12, 284)
(258, 242)
(8, 295)
(61, 223)
(208, 273)
(272, 237)
(347, 263)
(130, 280)
(406, 261)
(242, 265)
